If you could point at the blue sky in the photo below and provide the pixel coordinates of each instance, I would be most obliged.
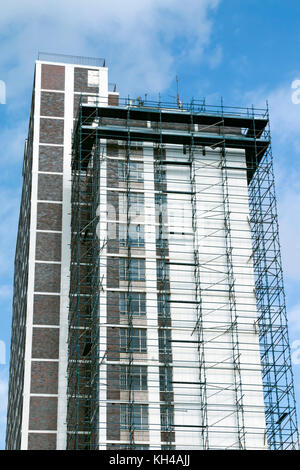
(246, 51)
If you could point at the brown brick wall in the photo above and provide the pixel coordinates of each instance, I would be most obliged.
(48, 246)
(45, 340)
(113, 344)
(51, 131)
(44, 377)
(113, 244)
(173, 125)
(43, 441)
(52, 104)
(84, 99)
(113, 100)
(113, 309)
(113, 382)
(51, 159)
(81, 81)
(45, 343)
(113, 421)
(112, 272)
(112, 173)
(135, 150)
(46, 309)
(53, 77)
(113, 201)
(47, 277)
(50, 187)
(43, 413)
(49, 216)
(167, 436)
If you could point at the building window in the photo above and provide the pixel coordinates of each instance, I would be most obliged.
(132, 269)
(166, 418)
(164, 340)
(133, 340)
(160, 204)
(159, 174)
(162, 270)
(133, 417)
(134, 203)
(133, 378)
(161, 237)
(133, 303)
(163, 305)
(165, 379)
(136, 235)
(133, 171)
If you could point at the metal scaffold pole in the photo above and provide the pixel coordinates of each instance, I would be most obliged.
(199, 328)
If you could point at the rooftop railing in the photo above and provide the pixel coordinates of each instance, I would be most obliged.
(71, 59)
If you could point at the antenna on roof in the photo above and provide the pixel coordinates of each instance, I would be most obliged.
(179, 103)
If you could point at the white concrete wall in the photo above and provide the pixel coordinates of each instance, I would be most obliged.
(217, 323)
(222, 418)
(151, 301)
(221, 398)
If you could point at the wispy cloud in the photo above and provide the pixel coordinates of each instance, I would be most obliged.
(288, 208)
(284, 114)
(144, 41)
(285, 130)
(145, 44)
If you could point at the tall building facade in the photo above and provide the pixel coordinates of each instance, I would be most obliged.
(149, 309)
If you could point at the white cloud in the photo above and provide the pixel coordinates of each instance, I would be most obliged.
(285, 133)
(285, 127)
(289, 225)
(142, 40)
(284, 114)
(145, 43)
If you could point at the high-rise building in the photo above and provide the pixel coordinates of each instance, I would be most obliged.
(149, 309)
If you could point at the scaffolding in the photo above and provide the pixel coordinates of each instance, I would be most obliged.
(108, 394)
(281, 418)
(198, 297)
(83, 364)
